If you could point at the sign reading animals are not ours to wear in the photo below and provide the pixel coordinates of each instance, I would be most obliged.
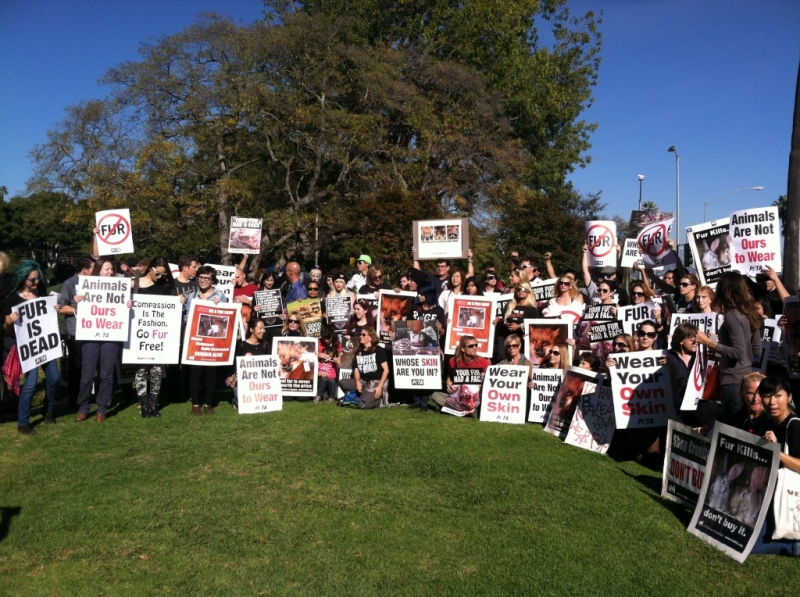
(36, 329)
(755, 236)
(258, 384)
(114, 234)
(103, 313)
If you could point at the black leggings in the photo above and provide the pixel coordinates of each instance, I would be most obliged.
(209, 380)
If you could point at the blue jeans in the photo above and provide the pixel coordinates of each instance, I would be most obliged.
(105, 355)
(729, 398)
(51, 377)
(766, 544)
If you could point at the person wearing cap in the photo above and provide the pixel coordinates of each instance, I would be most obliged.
(607, 273)
(359, 279)
(297, 291)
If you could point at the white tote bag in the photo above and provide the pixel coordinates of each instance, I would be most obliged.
(786, 503)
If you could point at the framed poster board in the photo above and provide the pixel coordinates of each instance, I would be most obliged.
(440, 239)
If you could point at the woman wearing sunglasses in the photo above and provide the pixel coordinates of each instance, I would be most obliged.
(157, 280)
(621, 343)
(375, 282)
(294, 326)
(370, 371)
(520, 308)
(566, 301)
(465, 365)
(647, 334)
(489, 282)
(556, 358)
(28, 283)
(687, 289)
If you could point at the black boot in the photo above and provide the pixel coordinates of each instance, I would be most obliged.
(26, 429)
(50, 417)
(154, 407)
(145, 409)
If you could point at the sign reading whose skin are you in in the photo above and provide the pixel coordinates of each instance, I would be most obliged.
(114, 235)
(415, 351)
(711, 249)
(592, 424)
(737, 490)
(577, 383)
(103, 313)
(258, 384)
(210, 336)
(642, 390)
(545, 385)
(601, 240)
(684, 464)
(755, 236)
(155, 337)
(505, 392)
(298, 365)
(471, 316)
(440, 239)
(38, 340)
(630, 253)
(245, 235)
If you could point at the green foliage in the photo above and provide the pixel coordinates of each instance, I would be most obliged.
(649, 206)
(42, 221)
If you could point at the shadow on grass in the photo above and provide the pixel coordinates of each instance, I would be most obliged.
(6, 514)
(653, 486)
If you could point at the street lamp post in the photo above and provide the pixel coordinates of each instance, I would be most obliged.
(641, 178)
(674, 150)
(705, 205)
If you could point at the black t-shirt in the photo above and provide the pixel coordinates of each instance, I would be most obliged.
(185, 288)
(517, 315)
(12, 301)
(367, 289)
(370, 364)
(743, 422)
(157, 290)
(293, 333)
(787, 433)
(434, 315)
(245, 349)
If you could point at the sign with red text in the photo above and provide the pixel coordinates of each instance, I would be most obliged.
(642, 390)
(36, 329)
(471, 316)
(505, 392)
(258, 384)
(684, 464)
(545, 386)
(592, 424)
(210, 336)
(601, 240)
(103, 314)
(653, 244)
(114, 234)
(755, 237)
(155, 337)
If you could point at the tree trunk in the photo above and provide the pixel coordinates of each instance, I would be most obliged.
(791, 236)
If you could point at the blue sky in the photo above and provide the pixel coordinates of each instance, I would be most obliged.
(714, 78)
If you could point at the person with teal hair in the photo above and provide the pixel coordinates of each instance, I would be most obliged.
(27, 283)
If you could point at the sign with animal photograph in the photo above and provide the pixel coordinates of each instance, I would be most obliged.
(653, 242)
(755, 237)
(102, 314)
(114, 235)
(393, 306)
(642, 219)
(310, 309)
(441, 239)
(245, 235)
(298, 364)
(632, 315)
(631, 254)
(577, 384)
(210, 335)
(737, 489)
(642, 390)
(36, 329)
(505, 392)
(271, 306)
(542, 335)
(684, 464)
(592, 426)
(464, 395)
(601, 242)
(471, 316)
(545, 385)
(258, 384)
(415, 352)
(155, 337)
(711, 249)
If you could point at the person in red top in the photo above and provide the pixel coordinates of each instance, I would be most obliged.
(242, 291)
(464, 378)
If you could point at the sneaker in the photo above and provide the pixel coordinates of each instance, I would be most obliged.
(331, 400)
(208, 410)
(196, 410)
(317, 399)
(50, 418)
(26, 429)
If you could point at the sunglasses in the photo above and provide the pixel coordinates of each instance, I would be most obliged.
(565, 283)
(513, 345)
(363, 335)
(360, 261)
(637, 293)
(522, 289)
(620, 345)
(491, 277)
(160, 275)
(603, 290)
(378, 277)
(685, 284)
(642, 334)
(607, 276)
(36, 279)
(313, 289)
(471, 346)
(204, 278)
(294, 321)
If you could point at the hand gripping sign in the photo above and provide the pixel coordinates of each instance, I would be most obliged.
(601, 239)
(114, 232)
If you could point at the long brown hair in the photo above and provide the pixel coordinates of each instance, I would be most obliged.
(733, 295)
(461, 350)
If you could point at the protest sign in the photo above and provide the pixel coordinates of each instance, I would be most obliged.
(155, 337)
(653, 243)
(710, 246)
(210, 336)
(415, 352)
(310, 309)
(440, 239)
(543, 290)
(38, 338)
(245, 235)
(601, 240)
(225, 274)
(601, 336)
(737, 489)
(393, 306)
(298, 365)
(505, 392)
(338, 310)
(542, 335)
(600, 313)
(592, 424)
(114, 235)
(271, 303)
(699, 375)
(545, 385)
(770, 337)
(684, 464)
(577, 383)
(471, 316)
(258, 386)
(630, 253)
(642, 390)
(174, 270)
(705, 322)
(465, 392)
(631, 316)
(755, 238)
(103, 312)
(501, 304)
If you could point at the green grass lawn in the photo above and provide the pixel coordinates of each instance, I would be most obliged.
(320, 500)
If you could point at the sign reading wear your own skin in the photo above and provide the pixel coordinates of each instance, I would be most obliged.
(505, 390)
(755, 236)
(155, 337)
(114, 234)
(38, 340)
(103, 313)
(642, 390)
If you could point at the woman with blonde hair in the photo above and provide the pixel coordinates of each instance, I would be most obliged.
(751, 410)
(294, 326)
(370, 371)
(556, 358)
(566, 300)
(520, 308)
